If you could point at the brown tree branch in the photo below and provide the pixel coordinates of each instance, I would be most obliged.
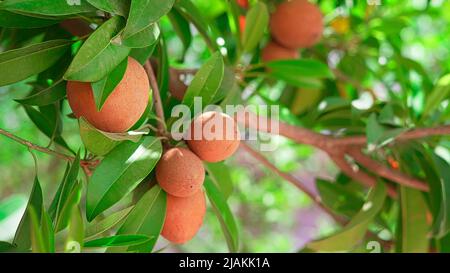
(36, 147)
(156, 98)
(387, 172)
(291, 179)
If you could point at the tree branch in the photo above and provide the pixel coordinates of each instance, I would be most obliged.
(291, 179)
(156, 98)
(387, 172)
(36, 147)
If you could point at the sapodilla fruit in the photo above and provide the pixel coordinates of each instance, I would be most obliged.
(180, 172)
(296, 24)
(213, 136)
(184, 217)
(273, 51)
(124, 106)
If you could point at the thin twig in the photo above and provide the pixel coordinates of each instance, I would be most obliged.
(36, 147)
(156, 98)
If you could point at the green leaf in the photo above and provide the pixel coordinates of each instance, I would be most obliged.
(65, 188)
(414, 227)
(206, 82)
(441, 225)
(120, 172)
(304, 68)
(64, 216)
(142, 54)
(103, 88)
(94, 140)
(48, 233)
(6, 247)
(24, 62)
(120, 7)
(147, 217)
(11, 204)
(48, 7)
(22, 238)
(97, 228)
(339, 198)
(15, 20)
(352, 234)
(144, 13)
(181, 27)
(49, 95)
(220, 175)
(257, 20)
(75, 237)
(117, 240)
(146, 37)
(374, 131)
(223, 213)
(98, 56)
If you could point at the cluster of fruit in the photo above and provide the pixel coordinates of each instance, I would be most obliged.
(180, 171)
(294, 24)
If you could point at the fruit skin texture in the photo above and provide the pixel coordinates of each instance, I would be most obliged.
(184, 217)
(213, 148)
(124, 106)
(296, 24)
(180, 172)
(273, 52)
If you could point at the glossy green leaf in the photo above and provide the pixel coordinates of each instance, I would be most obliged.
(257, 20)
(352, 234)
(224, 215)
(117, 240)
(144, 38)
(98, 56)
(414, 226)
(24, 62)
(103, 88)
(206, 82)
(305, 68)
(48, 7)
(48, 233)
(38, 244)
(15, 20)
(49, 95)
(65, 214)
(97, 228)
(142, 54)
(120, 7)
(147, 217)
(144, 13)
(96, 142)
(220, 175)
(120, 172)
(22, 238)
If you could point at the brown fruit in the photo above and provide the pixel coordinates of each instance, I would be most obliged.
(213, 136)
(273, 51)
(296, 24)
(124, 106)
(180, 172)
(177, 87)
(184, 217)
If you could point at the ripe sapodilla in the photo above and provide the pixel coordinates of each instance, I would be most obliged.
(184, 217)
(296, 24)
(213, 136)
(273, 51)
(124, 106)
(180, 172)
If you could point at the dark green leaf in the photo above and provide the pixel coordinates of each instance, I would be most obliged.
(147, 217)
(144, 38)
(103, 88)
(30, 60)
(48, 7)
(99, 55)
(120, 172)
(181, 27)
(49, 95)
(15, 20)
(120, 7)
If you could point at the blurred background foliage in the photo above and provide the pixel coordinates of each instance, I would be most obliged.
(397, 51)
